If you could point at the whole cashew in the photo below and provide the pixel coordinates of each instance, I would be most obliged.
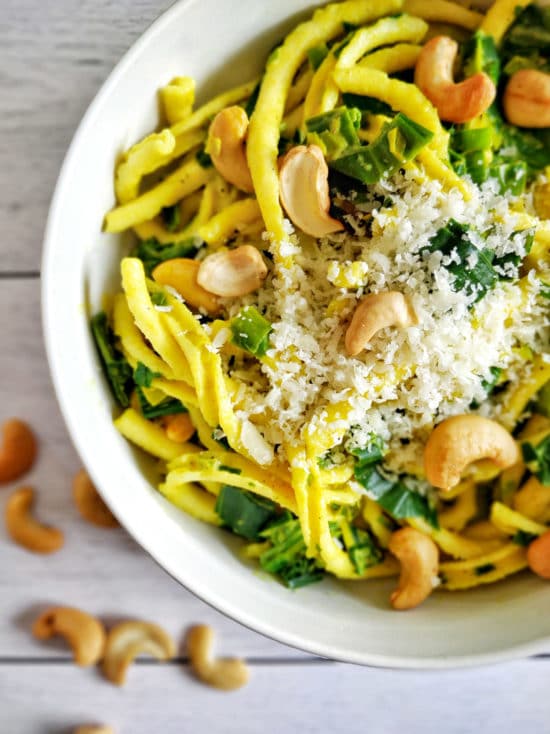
(458, 441)
(227, 148)
(24, 529)
(434, 76)
(303, 188)
(538, 555)
(224, 673)
(127, 640)
(232, 273)
(419, 557)
(526, 99)
(181, 273)
(94, 730)
(89, 503)
(84, 633)
(377, 311)
(18, 451)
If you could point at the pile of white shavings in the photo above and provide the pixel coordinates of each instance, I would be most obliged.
(405, 378)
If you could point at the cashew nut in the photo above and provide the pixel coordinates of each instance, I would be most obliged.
(526, 99)
(458, 441)
(179, 428)
(94, 730)
(24, 529)
(231, 273)
(434, 76)
(538, 555)
(227, 148)
(303, 188)
(377, 311)
(84, 633)
(127, 640)
(419, 557)
(18, 451)
(181, 273)
(225, 673)
(89, 503)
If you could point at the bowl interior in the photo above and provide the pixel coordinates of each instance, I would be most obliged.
(347, 621)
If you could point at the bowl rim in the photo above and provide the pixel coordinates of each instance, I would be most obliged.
(539, 646)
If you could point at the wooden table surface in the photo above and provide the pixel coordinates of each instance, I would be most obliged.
(54, 55)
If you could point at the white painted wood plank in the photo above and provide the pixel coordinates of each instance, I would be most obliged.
(102, 571)
(54, 57)
(306, 699)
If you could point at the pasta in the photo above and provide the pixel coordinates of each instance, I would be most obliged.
(349, 297)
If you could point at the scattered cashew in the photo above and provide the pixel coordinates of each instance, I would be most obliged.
(94, 730)
(225, 673)
(526, 99)
(24, 529)
(227, 147)
(18, 451)
(419, 558)
(538, 556)
(434, 76)
(127, 640)
(303, 188)
(231, 273)
(377, 311)
(459, 441)
(181, 274)
(179, 428)
(89, 503)
(84, 633)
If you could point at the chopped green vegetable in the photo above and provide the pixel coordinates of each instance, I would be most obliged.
(143, 376)
(370, 478)
(243, 512)
(230, 469)
(401, 502)
(251, 331)
(151, 252)
(171, 216)
(530, 33)
(334, 131)
(116, 368)
(372, 453)
(204, 159)
(490, 384)
(317, 55)
(537, 459)
(369, 105)
(484, 568)
(286, 556)
(399, 142)
(158, 298)
(480, 54)
(360, 546)
(168, 406)
(523, 538)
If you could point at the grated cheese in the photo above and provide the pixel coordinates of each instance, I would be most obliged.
(405, 378)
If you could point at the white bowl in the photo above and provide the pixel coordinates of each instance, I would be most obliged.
(222, 43)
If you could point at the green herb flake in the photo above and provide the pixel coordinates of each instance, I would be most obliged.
(537, 459)
(204, 159)
(151, 252)
(523, 538)
(143, 376)
(168, 406)
(171, 217)
(230, 469)
(484, 569)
